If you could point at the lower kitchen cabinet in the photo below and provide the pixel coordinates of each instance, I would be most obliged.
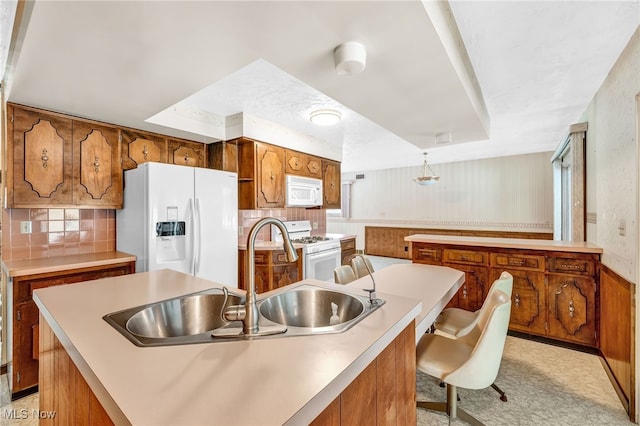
(528, 300)
(473, 291)
(271, 269)
(572, 308)
(348, 250)
(384, 393)
(555, 294)
(23, 368)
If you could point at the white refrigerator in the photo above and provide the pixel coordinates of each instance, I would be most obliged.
(182, 218)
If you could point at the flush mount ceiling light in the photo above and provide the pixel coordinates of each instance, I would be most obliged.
(350, 58)
(325, 117)
(427, 179)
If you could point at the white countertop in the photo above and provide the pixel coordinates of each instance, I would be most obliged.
(517, 243)
(287, 380)
(433, 285)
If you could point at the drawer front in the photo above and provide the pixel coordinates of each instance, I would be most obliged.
(279, 257)
(348, 244)
(262, 257)
(467, 257)
(517, 261)
(429, 254)
(570, 265)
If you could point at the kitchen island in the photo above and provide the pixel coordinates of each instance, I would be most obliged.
(287, 380)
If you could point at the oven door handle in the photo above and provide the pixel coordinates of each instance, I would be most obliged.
(324, 254)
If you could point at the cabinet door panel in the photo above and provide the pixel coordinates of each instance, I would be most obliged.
(471, 294)
(25, 366)
(572, 308)
(138, 148)
(527, 300)
(331, 184)
(97, 172)
(42, 166)
(186, 153)
(270, 175)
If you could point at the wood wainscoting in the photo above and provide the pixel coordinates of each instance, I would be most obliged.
(389, 241)
(617, 335)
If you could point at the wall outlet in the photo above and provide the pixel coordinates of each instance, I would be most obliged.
(315, 225)
(25, 226)
(622, 229)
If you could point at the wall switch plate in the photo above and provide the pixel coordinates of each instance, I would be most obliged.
(622, 229)
(25, 226)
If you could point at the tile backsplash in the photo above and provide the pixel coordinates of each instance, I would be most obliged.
(247, 218)
(57, 232)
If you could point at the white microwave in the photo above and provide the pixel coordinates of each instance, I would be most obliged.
(303, 191)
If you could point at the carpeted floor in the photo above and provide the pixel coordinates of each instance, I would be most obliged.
(545, 385)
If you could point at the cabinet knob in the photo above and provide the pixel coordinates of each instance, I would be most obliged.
(145, 153)
(96, 164)
(571, 309)
(44, 158)
(517, 300)
(464, 291)
(186, 158)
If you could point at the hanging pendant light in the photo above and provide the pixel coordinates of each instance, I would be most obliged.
(427, 179)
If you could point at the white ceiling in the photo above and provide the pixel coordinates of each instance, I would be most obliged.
(537, 65)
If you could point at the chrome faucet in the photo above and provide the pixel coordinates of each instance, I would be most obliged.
(373, 300)
(248, 313)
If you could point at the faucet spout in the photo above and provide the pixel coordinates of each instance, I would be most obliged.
(373, 300)
(251, 315)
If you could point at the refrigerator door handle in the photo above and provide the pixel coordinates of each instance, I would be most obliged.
(192, 266)
(198, 236)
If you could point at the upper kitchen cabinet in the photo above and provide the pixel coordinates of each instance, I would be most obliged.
(331, 184)
(185, 153)
(39, 167)
(56, 161)
(140, 147)
(223, 156)
(97, 174)
(298, 163)
(261, 175)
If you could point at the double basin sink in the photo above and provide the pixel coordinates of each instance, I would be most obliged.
(197, 318)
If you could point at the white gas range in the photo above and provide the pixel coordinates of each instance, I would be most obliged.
(321, 254)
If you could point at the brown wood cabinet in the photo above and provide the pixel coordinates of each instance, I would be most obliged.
(348, 250)
(555, 294)
(23, 369)
(142, 147)
(331, 184)
(97, 173)
(59, 161)
(301, 164)
(186, 153)
(39, 158)
(384, 393)
(223, 156)
(261, 176)
(271, 269)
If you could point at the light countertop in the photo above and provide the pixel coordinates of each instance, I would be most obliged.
(433, 285)
(287, 380)
(341, 236)
(18, 268)
(269, 245)
(517, 243)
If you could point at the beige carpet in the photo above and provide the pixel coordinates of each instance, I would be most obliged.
(545, 385)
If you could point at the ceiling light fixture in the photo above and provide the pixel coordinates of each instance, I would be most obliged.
(325, 117)
(426, 179)
(350, 58)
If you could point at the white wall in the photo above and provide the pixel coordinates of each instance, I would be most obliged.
(612, 163)
(506, 193)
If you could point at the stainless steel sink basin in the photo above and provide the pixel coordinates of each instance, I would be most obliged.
(311, 307)
(197, 318)
(184, 319)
